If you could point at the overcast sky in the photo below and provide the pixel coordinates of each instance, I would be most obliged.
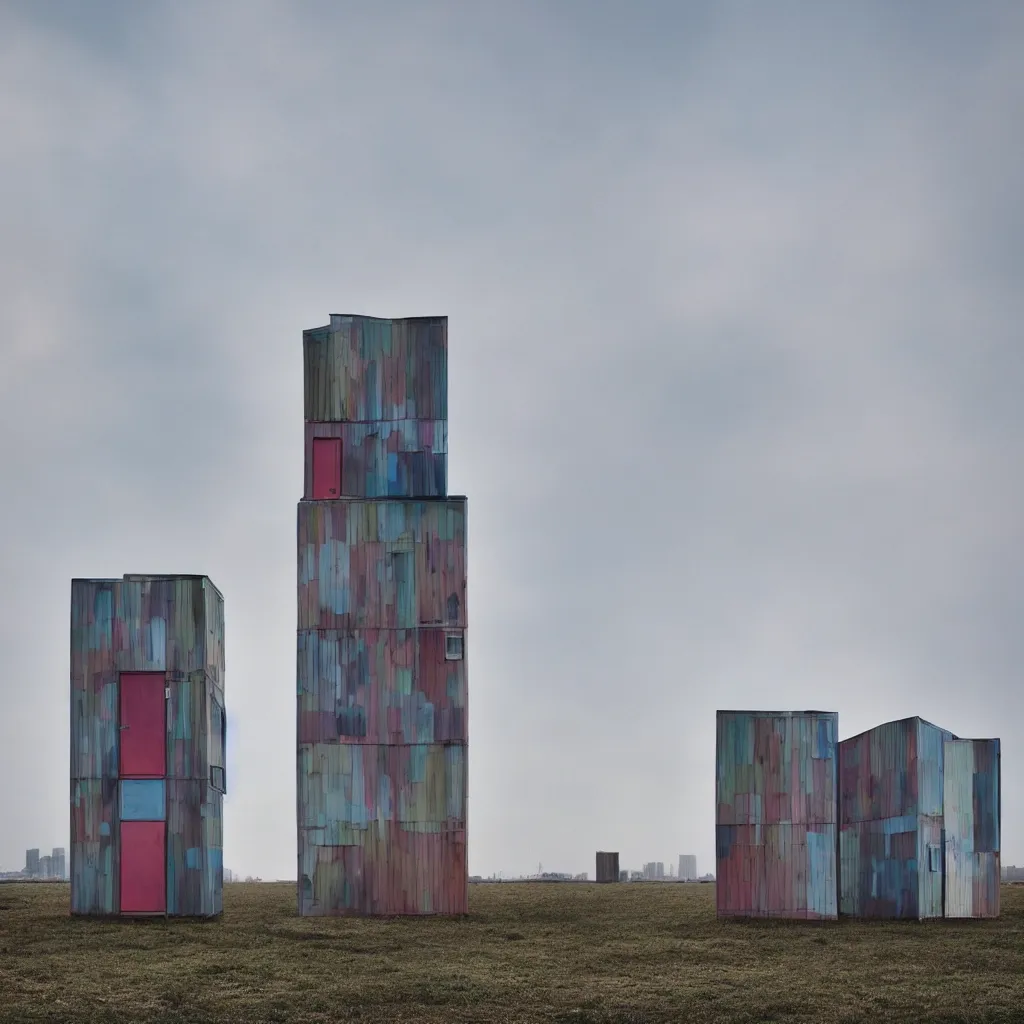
(736, 371)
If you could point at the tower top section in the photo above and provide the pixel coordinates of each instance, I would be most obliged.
(364, 369)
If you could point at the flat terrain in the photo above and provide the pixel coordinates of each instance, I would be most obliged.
(583, 953)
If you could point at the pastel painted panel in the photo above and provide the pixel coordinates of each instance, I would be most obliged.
(143, 725)
(143, 867)
(143, 800)
(326, 468)
(971, 785)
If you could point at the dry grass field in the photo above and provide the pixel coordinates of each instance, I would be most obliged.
(582, 953)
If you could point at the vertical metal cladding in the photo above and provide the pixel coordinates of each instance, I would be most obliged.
(607, 867)
(911, 797)
(168, 631)
(971, 781)
(381, 647)
(381, 386)
(879, 800)
(776, 814)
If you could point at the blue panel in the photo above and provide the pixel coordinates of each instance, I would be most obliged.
(143, 800)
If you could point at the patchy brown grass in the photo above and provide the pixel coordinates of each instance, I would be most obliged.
(582, 953)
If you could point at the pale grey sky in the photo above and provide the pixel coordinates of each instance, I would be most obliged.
(735, 371)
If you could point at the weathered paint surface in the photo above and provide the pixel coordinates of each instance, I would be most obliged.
(143, 800)
(143, 860)
(607, 866)
(389, 564)
(173, 627)
(881, 780)
(972, 817)
(381, 653)
(380, 686)
(906, 849)
(366, 369)
(776, 814)
(390, 459)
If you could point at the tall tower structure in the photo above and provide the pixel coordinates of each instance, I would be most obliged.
(382, 682)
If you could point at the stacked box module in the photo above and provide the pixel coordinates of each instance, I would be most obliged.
(147, 746)
(382, 687)
(776, 814)
(919, 823)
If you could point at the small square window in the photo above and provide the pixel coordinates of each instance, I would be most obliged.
(217, 778)
(453, 647)
(933, 858)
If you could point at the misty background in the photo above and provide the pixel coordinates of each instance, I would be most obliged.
(736, 371)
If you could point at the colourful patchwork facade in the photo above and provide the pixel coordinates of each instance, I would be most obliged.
(381, 667)
(919, 823)
(776, 814)
(147, 746)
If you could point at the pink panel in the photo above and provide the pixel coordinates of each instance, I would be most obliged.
(326, 468)
(143, 867)
(143, 732)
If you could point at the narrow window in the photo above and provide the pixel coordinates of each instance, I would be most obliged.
(218, 743)
(453, 646)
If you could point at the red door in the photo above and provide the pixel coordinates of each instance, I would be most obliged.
(326, 468)
(143, 732)
(143, 867)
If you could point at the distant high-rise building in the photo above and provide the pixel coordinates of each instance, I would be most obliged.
(45, 867)
(59, 863)
(607, 866)
(687, 867)
(32, 863)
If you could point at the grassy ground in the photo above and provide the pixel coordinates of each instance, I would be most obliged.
(582, 953)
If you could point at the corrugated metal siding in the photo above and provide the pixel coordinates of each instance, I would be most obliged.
(930, 740)
(879, 789)
(878, 773)
(879, 868)
(388, 564)
(931, 874)
(194, 849)
(780, 870)
(363, 368)
(382, 829)
(393, 458)
(607, 867)
(929, 859)
(776, 807)
(971, 788)
(172, 625)
(909, 793)
(94, 862)
(380, 686)
(382, 711)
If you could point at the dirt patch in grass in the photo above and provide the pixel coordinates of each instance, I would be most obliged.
(588, 954)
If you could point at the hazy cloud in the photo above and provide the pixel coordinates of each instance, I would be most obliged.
(734, 299)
